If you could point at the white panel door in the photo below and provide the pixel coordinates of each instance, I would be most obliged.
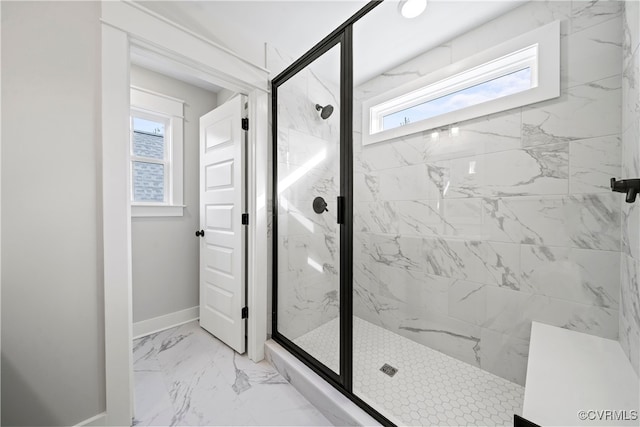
(222, 202)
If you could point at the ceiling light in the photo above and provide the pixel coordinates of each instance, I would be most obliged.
(412, 8)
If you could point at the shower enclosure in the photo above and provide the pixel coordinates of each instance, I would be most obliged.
(313, 224)
(418, 232)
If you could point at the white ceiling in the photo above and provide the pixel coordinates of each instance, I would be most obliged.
(382, 40)
(245, 25)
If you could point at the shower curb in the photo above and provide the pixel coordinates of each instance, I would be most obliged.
(330, 402)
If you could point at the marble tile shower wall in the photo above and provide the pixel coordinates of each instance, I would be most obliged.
(465, 235)
(308, 166)
(629, 294)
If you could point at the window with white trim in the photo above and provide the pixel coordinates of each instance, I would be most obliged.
(156, 154)
(521, 71)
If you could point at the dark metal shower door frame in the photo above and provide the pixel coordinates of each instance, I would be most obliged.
(298, 66)
(342, 36)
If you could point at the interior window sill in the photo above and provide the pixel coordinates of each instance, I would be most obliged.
(138, 211)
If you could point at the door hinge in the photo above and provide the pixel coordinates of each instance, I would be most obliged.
(245, 312)
(245, 219)
(245, 124)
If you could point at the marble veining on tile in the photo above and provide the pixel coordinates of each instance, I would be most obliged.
(466, 233)
(462, 238)
(629, 321)
(307, 167)
(184, 376)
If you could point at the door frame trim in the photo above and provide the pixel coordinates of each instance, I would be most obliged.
(123, 24)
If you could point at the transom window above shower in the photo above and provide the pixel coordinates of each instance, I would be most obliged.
(518, 72)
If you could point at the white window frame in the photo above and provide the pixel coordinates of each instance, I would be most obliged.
(159, 107)
(538, 50)
(166, 160)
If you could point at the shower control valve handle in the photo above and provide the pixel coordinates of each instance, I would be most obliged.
(629, 186)
(319, 205)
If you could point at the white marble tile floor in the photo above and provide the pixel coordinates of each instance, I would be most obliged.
(184, 376)
(429, 388)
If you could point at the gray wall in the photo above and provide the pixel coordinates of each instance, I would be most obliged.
(165, 249)
(224, 95)
(52, 292)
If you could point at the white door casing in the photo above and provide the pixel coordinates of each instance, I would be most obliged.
(126, 23)
(222, 203)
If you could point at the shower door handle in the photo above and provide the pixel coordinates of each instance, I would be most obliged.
(340, 212)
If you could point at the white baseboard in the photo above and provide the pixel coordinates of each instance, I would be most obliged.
(160, 323)
(97, 420)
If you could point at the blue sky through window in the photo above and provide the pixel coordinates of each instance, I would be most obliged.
(499, 87)
(148, 126)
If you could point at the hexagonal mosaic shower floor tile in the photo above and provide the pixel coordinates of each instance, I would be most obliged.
(429, 387)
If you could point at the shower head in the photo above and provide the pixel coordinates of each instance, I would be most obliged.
(325, 112)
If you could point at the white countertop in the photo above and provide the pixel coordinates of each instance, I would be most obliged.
(571, 371)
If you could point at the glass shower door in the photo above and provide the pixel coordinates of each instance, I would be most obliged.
(307, 179)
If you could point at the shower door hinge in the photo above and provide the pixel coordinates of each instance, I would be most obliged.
(245, 124)
(245, 219)
(245, 312)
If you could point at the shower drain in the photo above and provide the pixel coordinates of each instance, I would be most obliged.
(388, 369)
